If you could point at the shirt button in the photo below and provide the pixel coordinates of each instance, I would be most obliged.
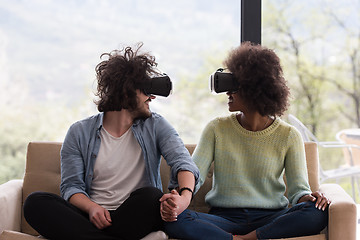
(94, 155)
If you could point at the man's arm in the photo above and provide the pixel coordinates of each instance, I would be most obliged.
(72, 164)
(174, 152)
(98, 215)
(173, 204)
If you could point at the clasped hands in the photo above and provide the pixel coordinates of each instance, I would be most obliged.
(173, 204)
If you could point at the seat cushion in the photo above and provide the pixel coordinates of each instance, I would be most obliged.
(12, 235)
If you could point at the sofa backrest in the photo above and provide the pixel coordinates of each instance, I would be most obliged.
(42, 173)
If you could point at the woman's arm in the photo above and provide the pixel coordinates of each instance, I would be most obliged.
(204, 153)
(295, 168)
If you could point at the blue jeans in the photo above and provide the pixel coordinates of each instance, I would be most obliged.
(221, 223)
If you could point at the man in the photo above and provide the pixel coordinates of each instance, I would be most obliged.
(110, 179)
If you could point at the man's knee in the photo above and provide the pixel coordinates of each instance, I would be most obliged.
(33, 203)
(34, 199)
(37, 201)
(148, 193)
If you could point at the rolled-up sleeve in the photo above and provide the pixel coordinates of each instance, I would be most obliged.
(174, 152)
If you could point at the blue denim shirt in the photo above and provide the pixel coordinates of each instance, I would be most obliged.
(155, 136)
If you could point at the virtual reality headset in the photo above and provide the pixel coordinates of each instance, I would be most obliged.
(223, 82)
(160, 85)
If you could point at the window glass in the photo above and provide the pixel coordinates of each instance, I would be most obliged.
(49, 49)
(318, 43)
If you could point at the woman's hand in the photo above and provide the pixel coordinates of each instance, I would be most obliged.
(173, 204)
(321, 200)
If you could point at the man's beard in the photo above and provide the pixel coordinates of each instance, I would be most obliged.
(141, 113)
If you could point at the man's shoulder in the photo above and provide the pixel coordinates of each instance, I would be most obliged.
(88, 121)
(154, 118)
(155, 122)
(155, 115)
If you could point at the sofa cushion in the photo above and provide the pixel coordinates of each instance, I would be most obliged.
(42, 173)
(13, 235)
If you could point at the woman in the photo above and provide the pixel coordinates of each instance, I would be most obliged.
(250, 150)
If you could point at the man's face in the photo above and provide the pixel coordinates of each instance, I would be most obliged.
(143, 108)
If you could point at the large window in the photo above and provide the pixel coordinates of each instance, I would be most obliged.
(49, 49)
(318, 43)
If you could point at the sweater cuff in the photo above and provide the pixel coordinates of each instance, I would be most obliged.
(298, 196)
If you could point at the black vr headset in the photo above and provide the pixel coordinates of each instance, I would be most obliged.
(223, 82)
(160, 85)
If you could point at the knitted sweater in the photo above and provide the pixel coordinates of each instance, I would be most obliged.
(249, 166)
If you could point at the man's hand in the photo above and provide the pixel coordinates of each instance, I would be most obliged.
(172, 205)
(100, 217)
(321, 200)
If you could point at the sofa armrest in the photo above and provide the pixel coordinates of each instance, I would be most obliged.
(342, 213)
(11, 205)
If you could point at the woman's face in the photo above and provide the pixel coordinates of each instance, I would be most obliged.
(235, 102)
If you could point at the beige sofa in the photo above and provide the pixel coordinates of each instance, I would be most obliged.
(43, 173)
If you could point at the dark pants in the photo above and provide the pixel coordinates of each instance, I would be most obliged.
(55, 218)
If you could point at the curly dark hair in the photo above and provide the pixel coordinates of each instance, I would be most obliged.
(261, 83)
(118, 76)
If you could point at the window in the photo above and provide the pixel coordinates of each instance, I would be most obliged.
(49, 50)
(318, 44)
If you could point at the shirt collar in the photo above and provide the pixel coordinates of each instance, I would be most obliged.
(100, 122)
(101, 119)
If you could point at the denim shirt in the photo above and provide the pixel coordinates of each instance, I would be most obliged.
(155, 136)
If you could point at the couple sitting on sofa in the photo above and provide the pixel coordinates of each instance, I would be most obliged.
(110, 179)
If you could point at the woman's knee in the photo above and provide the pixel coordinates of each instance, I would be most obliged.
(172, 228)
(318, 217)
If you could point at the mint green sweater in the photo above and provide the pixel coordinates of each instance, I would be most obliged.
(249, 166)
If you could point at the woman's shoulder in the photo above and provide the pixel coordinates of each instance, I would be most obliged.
(220, 121)
(289, 130)
(285, 125)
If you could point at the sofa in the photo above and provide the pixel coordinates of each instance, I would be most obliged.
(42, 173)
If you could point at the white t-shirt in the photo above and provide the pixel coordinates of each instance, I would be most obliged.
(119, 170)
